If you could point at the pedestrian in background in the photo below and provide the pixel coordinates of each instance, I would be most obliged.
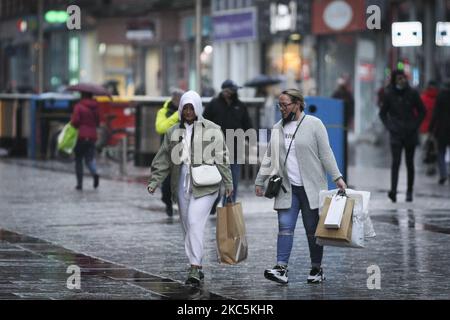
(194, 202)
(428, 97)
(440, 128)
(229, 112)
(166, 117)
(303, 159)
(402, 112)
(343, 93)
(86, 119)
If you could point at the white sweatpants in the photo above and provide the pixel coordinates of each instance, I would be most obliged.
(194, 215)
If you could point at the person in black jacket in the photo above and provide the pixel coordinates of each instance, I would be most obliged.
(402, 112)
(229, 112)
(440, 128)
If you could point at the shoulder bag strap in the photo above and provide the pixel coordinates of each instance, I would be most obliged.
(293, 137)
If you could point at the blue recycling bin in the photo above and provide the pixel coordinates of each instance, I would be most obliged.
(45, 110)
(332, 113)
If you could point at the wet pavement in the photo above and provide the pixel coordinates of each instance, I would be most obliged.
(127, 248)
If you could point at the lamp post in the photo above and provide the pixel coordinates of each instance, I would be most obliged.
(198, 44)
(40, 60)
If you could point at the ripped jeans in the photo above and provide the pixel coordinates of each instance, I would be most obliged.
(287, 219)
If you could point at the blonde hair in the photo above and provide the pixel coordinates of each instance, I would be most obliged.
(295, 96)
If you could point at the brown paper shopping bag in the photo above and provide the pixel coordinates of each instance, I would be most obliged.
(231, 236)
(344, 233)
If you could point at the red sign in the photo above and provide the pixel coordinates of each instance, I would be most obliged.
(334, 16)
(366, 72)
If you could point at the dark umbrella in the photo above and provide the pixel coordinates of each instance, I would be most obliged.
(95, 89)
(262, 80)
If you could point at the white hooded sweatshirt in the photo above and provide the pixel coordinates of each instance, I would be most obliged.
(193, 98)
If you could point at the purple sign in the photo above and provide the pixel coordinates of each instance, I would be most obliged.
(235, 26)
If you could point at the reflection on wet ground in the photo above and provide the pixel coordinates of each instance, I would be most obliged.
(40, 264)
(430, 194)
(439, 223)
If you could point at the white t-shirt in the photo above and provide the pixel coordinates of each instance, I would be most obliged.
(293, 170)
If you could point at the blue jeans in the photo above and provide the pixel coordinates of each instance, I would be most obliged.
(236, 174)
(287, 219)
(84, 149)
(442, 148)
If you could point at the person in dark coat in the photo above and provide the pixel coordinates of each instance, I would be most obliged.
(343, 93)
(440, 128)
(86, 119)
(402, 112)
(229, 112)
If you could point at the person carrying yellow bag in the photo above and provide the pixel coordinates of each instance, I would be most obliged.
(67, 139)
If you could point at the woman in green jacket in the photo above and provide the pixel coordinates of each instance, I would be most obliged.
(186, 145)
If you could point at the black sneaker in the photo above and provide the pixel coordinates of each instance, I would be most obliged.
(316, 275)
(442, 181)
(195, 276)
(278, 274)
(393, 196)
(78, 188)
(409, 196)
(169, 211)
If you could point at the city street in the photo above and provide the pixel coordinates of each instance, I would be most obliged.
(127, 248)
(116, 80)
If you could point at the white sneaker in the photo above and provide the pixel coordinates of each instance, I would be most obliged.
(316, 275)
(277, 274)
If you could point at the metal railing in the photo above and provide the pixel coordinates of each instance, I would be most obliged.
(21, 132)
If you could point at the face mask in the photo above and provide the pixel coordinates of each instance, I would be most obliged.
(289, 118)
(400, 87)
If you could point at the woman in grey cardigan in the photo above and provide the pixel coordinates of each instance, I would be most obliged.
(186, 145)
(304, 174)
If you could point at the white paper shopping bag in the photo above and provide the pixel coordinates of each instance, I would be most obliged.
(335, 212)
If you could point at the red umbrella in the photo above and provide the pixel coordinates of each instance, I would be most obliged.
(95, 89)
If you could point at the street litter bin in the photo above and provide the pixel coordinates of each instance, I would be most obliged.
(147, 140)
(49, 112)
(332, 113)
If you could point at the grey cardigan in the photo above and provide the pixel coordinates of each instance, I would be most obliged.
(315, 159)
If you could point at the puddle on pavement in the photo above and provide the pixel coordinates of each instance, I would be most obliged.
(407, 219)
(164, 288)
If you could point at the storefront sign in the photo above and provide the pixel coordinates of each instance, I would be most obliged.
(407, 34)
(443, 33)
(283, 17)
(331, 16)
(337, 15)
(140, 30)
(236, 25)
(366, 72)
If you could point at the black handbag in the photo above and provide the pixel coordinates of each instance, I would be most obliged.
(276, 181)
(274, 186)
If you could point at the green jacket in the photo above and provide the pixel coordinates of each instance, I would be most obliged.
(163, 123)
(162, 165)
